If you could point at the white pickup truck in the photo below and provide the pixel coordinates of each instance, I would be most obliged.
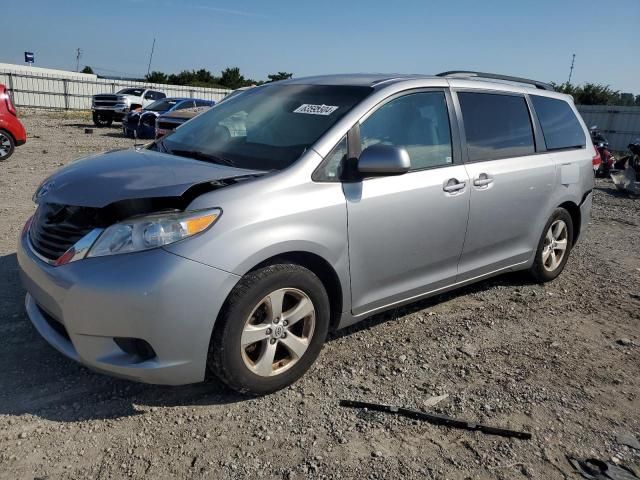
(107, 107)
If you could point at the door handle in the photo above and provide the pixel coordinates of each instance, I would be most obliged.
(483, 180)
(453, 185)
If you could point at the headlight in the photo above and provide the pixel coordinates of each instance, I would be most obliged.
(144, 233)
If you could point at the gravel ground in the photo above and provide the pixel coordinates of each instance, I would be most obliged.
(560, 360)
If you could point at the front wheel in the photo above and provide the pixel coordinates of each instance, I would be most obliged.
(554, 247)
(271, 329)
(102, 119)
(7, 145)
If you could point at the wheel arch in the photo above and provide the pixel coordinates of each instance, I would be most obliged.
(322, 269)
(8, 132)
(574, 212)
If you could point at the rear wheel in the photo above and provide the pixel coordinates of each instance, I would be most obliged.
(7, 145)
(554, 247)
(272, 329)
(101, 119)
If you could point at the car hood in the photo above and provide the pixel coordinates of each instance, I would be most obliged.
(106, 178)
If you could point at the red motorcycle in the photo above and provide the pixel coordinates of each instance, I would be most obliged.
(607, 160)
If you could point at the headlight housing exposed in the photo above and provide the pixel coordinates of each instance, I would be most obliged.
(145, 233)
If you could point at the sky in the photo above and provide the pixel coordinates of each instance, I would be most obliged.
(534, 39)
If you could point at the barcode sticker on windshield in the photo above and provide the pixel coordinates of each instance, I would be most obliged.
(315, 109)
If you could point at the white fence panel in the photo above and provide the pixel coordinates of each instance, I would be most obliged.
(71, 91)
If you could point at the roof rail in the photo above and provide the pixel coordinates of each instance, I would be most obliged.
(495, 76)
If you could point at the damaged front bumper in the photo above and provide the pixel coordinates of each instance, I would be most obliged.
(93, 310)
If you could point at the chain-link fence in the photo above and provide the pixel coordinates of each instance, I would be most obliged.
(44, 91)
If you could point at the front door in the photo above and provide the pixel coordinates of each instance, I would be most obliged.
(406, 232)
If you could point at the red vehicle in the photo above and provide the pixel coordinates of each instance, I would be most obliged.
(12, 133)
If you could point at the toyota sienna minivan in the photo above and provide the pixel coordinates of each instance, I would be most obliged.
(233, 245)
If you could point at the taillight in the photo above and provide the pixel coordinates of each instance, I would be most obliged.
(596, 160)
(9, 103)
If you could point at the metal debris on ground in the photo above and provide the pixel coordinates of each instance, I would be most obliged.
(594, 469)
(433, 401)
(625, 180)
(437, 419)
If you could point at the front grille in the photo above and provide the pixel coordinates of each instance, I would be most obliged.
(56, 228)
(105, 100)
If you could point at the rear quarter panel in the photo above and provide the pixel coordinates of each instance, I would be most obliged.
(574, 172)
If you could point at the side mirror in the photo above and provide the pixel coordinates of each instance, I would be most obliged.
(382, 160)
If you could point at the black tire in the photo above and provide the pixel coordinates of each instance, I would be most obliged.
(538, 270)
(225, 353)
(7, 145)
(101, 120)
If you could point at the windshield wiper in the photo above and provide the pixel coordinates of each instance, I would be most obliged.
(208, 157)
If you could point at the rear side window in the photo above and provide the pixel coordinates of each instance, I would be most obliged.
(496, 126)
(560, 127)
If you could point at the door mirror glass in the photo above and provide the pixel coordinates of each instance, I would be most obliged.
(382, 160)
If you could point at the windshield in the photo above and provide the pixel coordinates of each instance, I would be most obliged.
(131, 91)
(265, 128)
(162, 105)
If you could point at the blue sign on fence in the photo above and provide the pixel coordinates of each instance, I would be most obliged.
(29, 57)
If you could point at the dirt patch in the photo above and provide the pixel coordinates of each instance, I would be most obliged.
(546, 359)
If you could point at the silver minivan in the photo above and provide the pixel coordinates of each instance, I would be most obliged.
(235, 244)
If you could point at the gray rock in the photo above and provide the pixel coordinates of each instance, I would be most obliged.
(628, 439)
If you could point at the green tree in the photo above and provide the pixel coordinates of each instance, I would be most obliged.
(156, 77)
(87, 69)
(231, 78)
(279, 76)
(594, 94)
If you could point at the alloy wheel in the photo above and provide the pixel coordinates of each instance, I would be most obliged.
(5, 145)
(278, 332)
(555, 245)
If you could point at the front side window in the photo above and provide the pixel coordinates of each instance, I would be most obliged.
(496, 126)
(265, 128)
(419, 122)
(560, 127)
(332, 167)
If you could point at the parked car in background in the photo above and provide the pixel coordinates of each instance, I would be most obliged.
(107, 107)
(339, 197)
(236, 92)
(168, 122)
(12, 132)
(142, 123)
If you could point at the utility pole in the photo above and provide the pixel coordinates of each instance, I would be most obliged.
(573, 59)
(78, 55)
(151, 56)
